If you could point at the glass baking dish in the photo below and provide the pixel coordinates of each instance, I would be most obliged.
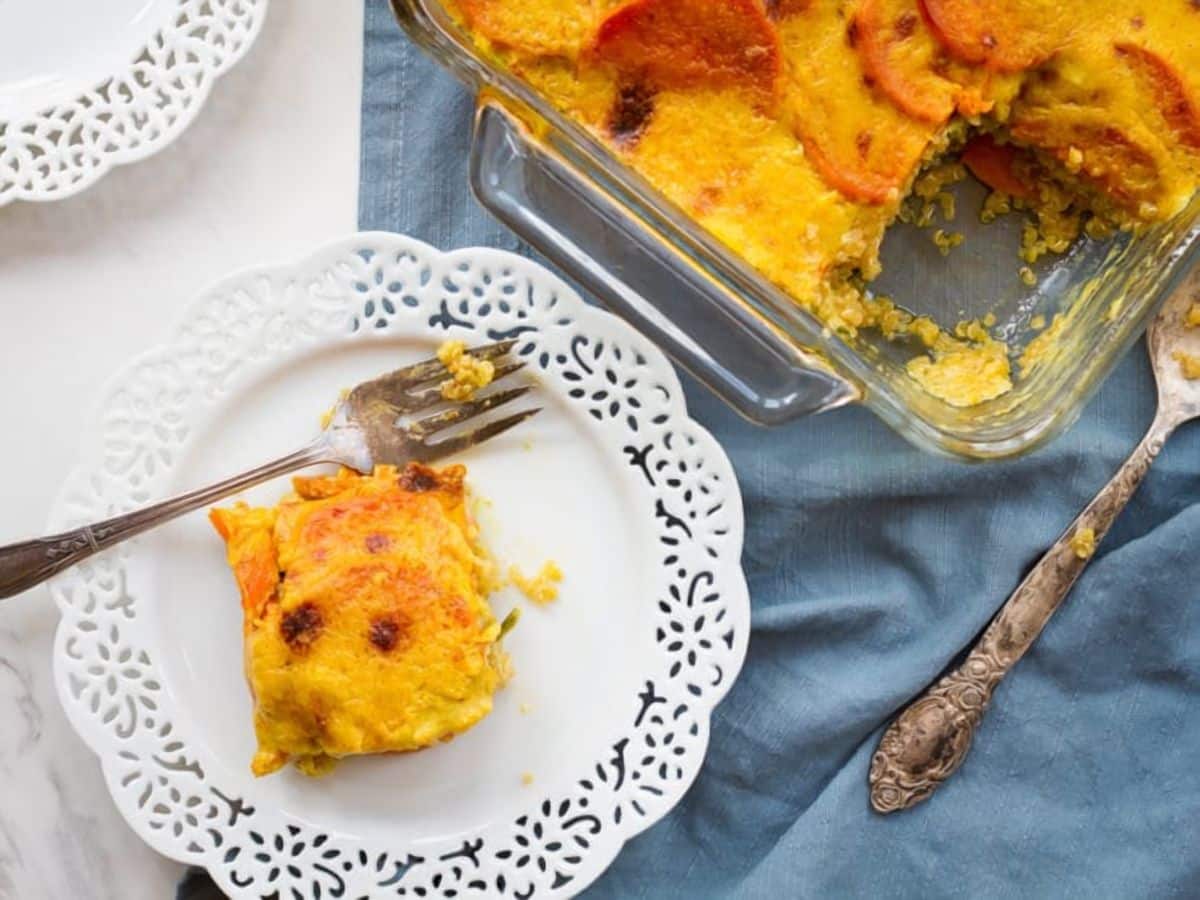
(560, 189)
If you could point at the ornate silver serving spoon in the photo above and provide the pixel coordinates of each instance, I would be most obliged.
(930, 739)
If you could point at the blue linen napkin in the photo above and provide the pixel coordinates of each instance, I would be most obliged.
(870, 565)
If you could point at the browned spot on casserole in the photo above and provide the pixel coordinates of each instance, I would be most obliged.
(377, 543)
(417, 478)
(301, 626)
(385, 633)
(630, 113)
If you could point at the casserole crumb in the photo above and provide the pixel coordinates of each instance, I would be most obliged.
(542, 588)
(467, 374)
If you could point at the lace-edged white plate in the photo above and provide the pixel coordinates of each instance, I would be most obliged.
(89, 84)
(608, 713)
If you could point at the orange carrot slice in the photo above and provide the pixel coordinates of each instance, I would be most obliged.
(992, 164)
(674, 44)
(1168, 88)
(899, 53)
(1002, 35)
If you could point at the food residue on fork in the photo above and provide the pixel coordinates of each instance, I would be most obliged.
(327, 416)
(1189, 363)
(1083, 542)
(542, 588)
(467, 373)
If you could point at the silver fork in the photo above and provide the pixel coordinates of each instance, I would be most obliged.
(379, 422)
(930, 739)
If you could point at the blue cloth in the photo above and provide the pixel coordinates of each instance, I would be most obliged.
(870, 565)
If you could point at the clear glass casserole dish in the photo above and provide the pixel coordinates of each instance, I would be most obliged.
(607, 228)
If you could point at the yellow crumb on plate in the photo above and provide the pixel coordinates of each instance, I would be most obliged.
(467, 374)
(1083, 542)
(527, 778)
(542, 588)
(1189, 363)
(526, 708)
(1191, 319)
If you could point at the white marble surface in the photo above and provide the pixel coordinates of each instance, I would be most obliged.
(268, 171)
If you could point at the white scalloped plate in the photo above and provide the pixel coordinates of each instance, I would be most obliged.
(610, 706)
(89, 84)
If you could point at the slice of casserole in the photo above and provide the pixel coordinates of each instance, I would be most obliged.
(367, 628)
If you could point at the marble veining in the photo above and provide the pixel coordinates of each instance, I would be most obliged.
(60, 835)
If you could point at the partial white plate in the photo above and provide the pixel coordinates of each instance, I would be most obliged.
(637, 503)
(89, 84)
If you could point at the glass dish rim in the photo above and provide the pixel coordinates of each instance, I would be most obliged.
(429, 24)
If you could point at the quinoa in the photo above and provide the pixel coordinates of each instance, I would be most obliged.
(1189, 364)
(947, 241)
(467, 374)
(1083, 542)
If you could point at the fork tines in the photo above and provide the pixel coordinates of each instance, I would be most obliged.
(418, 387)
(401, 395)
(461, 412)
(458, 443)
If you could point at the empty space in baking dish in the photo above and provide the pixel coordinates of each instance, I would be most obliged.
(1106, 289)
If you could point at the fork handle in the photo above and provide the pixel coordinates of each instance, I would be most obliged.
(929, 740)
(31, 562)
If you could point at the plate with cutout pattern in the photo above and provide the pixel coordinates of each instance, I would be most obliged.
(88, 85)
(605, 723)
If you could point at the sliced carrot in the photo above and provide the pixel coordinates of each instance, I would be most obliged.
(992, 164)
(250, 548)
(1003, 35)
(542, 28)
(1168, 88)
(674, 44)
(859, 142)
(898, 53)
(1126, 162)
(853, 179)
(223, 521)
